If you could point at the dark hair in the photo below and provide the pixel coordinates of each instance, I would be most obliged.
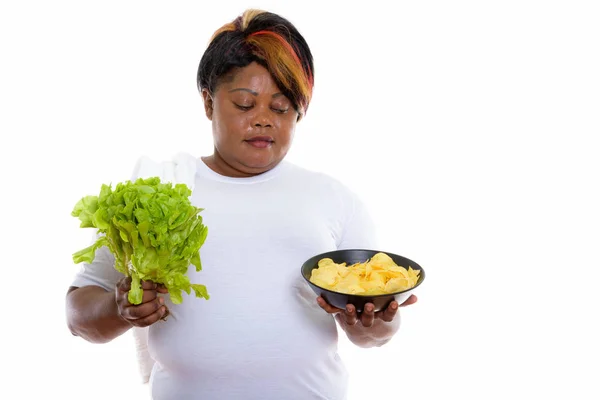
(268, 39)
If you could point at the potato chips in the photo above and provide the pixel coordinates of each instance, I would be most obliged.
(379, 275)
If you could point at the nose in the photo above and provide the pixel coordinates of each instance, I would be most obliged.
(262, 118)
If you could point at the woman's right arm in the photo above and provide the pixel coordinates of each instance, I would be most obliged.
(92, 314)
(99, 316)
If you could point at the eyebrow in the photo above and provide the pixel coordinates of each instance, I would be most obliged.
(252, 92)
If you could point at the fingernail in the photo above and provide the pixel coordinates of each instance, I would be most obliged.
(349, 309)
(394, 306)
(161, 300)
(369, 308)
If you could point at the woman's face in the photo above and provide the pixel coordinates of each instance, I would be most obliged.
(253, 122)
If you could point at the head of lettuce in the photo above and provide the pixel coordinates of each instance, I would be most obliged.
(153, 231)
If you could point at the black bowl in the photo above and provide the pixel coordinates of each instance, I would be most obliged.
(352, 256)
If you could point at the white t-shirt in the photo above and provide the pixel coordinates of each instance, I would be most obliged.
(261, 335)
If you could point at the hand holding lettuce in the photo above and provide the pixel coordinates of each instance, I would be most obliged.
(153, 231)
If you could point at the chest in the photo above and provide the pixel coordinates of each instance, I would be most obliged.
(265, 219)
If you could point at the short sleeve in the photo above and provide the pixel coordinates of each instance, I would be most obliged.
(359, 230)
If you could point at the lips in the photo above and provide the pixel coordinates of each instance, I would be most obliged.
(260, 142)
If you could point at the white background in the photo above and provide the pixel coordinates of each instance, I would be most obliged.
(468, 127)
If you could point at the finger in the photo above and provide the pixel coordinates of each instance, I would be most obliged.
(147, 285)
(411, 300)
(162, 289)
(328, 307)
(368, 315)
(148, 296)
(134, 312)
(124, 284)
(161, 313)
(389, 313)
(349, 315)
(149, 290)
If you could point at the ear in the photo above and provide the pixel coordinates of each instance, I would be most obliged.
(208, 103)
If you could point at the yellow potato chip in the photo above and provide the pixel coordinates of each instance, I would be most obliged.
(368, 269)
(343, 271)
(381, 260)
(349, 284)
(325, 261)
(379, 275)
(375, 283)
(326, 273)
(397, 284)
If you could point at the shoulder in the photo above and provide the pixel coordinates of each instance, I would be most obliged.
(181, 167)
(146, 167)
(317, 180)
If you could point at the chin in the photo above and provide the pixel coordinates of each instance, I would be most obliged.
(259, 163)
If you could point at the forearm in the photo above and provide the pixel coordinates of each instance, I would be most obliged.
(92, 314)
(376, 335)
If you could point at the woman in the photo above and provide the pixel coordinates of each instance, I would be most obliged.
(262, 335)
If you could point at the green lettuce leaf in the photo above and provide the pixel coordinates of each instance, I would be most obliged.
(153, 231)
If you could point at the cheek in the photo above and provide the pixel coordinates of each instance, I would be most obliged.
(228, 127)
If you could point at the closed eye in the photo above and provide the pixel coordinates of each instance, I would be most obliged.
(243, 108)
(277, 110)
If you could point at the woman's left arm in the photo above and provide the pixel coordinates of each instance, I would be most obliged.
(365, 329)
(368, 329)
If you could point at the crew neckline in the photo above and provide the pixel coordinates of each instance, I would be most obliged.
(205, 171)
